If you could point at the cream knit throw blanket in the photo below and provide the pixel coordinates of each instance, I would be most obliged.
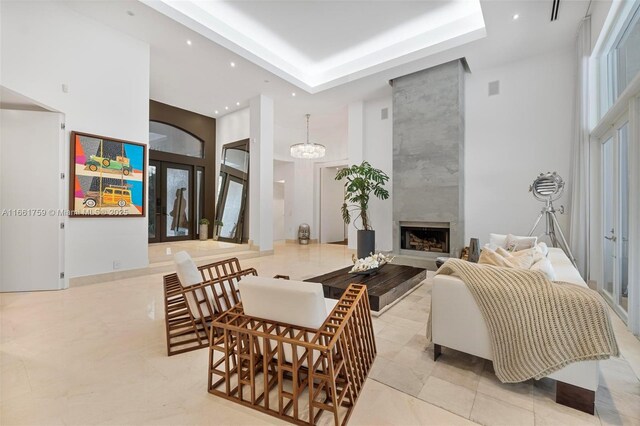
(536, 326)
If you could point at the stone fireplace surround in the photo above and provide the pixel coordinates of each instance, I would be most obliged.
(428, 156)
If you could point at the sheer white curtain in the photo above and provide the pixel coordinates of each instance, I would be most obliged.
(579, 225)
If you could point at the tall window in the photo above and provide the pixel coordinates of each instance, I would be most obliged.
(614, 237)
(621, 62)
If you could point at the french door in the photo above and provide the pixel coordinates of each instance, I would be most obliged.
(615, 217)
(173, 201)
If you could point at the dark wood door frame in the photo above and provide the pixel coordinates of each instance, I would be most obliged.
(202, 128)
(234, 174)
(155, 213)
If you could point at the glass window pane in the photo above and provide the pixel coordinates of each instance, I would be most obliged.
(608, 192)
(178, 202)
(232, 206)
(165, 138)
(628, 54)
(236, 158)
(623, 136)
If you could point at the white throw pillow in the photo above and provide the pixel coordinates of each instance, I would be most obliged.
(544, 265)
(517, 243)
(504, 259)
(536, 253)
(497, 240)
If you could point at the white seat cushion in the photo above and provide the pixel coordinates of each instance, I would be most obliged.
(291, 302)
(330, 303)
(565, 271)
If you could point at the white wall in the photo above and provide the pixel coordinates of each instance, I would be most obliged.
(306, 195)
(45, 45)
(512, 137)
(278, 211)
(283, 171)
(378, 151)
(371, 139)
(331, 199)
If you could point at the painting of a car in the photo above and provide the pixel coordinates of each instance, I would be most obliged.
(112, 195)
(120, 163)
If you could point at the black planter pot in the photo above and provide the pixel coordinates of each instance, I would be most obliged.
(366, 243)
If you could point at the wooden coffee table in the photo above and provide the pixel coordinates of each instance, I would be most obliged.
(384, 287)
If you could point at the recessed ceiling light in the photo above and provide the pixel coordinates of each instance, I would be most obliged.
(226, 107)
(515, 17)
(233, 64)
(189, 42)
(293, 94)
(237, 103)
(130, 13)
(215, 112)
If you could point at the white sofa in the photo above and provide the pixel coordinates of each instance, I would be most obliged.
(457, 323)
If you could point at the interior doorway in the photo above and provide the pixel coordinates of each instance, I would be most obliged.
(332, 228)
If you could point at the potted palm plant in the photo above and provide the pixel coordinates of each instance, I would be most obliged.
(362, 182)
(204, 229)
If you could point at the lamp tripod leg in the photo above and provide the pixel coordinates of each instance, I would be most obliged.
(551, 229)
(535, 225)
(563, 241)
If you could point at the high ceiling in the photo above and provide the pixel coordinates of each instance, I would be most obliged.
(198, 76)
(321, 44)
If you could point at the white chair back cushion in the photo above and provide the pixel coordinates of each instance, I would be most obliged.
(188, 274)
(187, 271)
(292, 302)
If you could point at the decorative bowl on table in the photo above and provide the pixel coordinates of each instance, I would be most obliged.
(370, 264)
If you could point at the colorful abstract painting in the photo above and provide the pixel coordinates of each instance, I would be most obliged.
(107, 177)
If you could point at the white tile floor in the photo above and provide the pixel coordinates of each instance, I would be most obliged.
(466, 385)
(96, 354)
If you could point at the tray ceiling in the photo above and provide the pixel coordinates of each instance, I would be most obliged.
(317, 45)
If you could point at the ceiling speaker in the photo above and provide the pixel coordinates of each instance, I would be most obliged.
(494, 88)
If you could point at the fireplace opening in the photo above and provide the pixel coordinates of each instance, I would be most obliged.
(430, 239)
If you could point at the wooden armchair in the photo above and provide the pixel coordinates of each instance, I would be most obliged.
(293, 372)
(190, 308)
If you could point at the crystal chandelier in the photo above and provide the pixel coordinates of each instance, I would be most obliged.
(307, 150)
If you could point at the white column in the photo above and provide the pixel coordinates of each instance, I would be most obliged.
(261, 173)
(355, 150)
(303, 187)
